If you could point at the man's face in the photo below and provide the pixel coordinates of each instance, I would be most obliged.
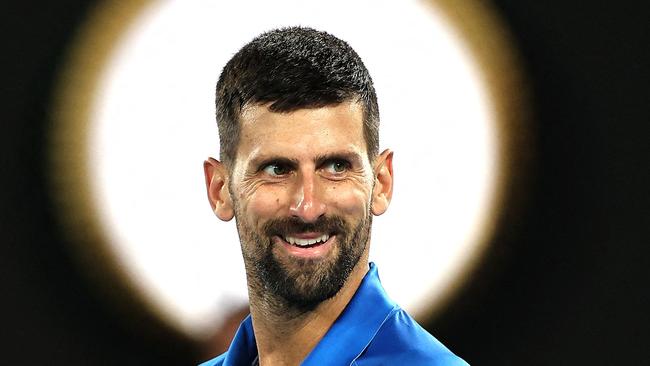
(301, 188)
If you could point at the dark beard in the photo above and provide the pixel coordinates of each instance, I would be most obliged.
(305, 283)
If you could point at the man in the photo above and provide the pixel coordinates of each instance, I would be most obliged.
(302, 176)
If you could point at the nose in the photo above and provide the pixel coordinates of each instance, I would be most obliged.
(308, 204)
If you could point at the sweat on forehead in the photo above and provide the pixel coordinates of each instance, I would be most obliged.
(336, 129)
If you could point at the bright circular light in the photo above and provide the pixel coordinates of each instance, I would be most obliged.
(152, 125)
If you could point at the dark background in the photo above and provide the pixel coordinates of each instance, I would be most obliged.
(566, 281)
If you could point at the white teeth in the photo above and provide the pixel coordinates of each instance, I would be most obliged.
(305, 242)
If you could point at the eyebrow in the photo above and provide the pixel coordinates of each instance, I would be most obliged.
(261, 161)
(349, 156)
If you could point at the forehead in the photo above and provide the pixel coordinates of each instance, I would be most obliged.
(303, 132)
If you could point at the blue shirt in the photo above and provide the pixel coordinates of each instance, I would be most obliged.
(372, 330)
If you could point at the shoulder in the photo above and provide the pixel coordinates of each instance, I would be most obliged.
(401, 340)
(217, 361)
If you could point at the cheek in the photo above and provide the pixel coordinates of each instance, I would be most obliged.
(263, 205)
(349, 199)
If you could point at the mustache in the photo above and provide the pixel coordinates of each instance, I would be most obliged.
(292, 225)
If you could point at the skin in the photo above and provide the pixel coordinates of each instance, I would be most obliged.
(303, 164)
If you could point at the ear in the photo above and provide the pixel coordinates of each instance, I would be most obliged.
(383, 191)
(216, 183)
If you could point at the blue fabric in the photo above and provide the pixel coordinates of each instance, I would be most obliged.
(372, 330)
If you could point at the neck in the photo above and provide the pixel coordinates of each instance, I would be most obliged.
(286, 336)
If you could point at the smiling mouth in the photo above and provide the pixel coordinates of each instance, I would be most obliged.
(306, 242)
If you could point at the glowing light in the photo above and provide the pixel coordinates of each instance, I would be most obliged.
(153, 125)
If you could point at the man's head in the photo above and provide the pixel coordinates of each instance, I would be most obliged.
(301, 175)
(290, 69)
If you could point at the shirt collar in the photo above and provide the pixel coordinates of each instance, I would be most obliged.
(243, 349)
(357, 325)
(349, 335)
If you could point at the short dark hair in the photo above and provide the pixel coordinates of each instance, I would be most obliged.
(293, 68)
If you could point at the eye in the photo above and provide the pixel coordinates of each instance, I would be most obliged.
(336, 166)
(276, 169)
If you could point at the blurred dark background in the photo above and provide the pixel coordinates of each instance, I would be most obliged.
(566, 280)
